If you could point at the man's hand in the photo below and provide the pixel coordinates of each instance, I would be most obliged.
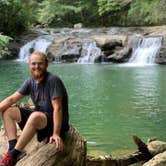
(58, 141)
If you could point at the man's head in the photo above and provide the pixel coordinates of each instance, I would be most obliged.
(38, 64)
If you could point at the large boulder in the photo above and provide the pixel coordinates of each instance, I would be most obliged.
(65, 49)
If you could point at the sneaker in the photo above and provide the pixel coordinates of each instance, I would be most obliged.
(8, 160)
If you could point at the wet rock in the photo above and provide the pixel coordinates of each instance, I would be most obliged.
(78, 25)
(120, 56)
(65, 49)
(67, 43)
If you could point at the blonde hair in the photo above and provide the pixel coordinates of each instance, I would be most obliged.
(40, 54)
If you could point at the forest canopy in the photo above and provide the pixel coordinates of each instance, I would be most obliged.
(17, 15)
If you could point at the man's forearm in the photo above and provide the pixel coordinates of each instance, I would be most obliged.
(57, 118)
(6, 103)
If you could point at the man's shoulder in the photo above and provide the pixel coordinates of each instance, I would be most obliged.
(28, 80)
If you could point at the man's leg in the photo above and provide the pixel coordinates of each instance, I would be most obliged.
(9, 118)
(36, 121)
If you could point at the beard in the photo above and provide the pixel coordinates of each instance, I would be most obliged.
(37, 75)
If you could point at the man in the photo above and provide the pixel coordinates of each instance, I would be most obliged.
(49, 119)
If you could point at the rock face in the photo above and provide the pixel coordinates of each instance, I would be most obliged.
(41, 154)
(67, 44)
(65, 49)
(19, 41)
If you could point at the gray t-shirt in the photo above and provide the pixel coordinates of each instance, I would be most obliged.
(44, 92)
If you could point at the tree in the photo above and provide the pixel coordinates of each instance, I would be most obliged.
(4, 41)
(149, 12)
(57, 12)
(16, 15)
(113, 11)
(66, 12)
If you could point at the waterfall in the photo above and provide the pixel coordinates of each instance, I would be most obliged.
(89, 53)
(145, 50)
(39, 44)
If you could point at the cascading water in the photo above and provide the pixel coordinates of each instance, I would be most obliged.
(89, 53)
(37, 44)
(145, 50)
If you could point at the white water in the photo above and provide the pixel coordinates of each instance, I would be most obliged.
(145, 50)
(89, 53)
(37, 44)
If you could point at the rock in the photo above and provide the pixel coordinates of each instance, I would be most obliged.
(108, 41)
(65, 49)
(158, 160)
(39, 154)
(156, 147)
(78, 25)
(120, 56)
(67, 43)
(19, 41)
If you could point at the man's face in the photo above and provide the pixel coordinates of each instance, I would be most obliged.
(38, 66)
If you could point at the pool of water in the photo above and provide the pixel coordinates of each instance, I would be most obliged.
(107, 103)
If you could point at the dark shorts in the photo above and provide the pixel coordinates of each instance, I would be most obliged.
(42, 134)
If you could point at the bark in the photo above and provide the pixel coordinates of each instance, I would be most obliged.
(41, 154)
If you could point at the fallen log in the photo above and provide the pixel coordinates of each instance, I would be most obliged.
(41, 154)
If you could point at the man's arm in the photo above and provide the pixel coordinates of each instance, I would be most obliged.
(57, 119)
(6, 103)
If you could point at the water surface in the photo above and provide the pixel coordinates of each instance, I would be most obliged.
(108, 103)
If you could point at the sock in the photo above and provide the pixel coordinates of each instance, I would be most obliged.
(12, 144)
(14, 153)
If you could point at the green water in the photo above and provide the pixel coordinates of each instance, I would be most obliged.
(108, 103)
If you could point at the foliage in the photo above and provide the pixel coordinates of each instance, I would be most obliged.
(19, 15)
(16, 15)
(53, 12)
(67, 12)
(113, 12)
(4, 41)
(111, 6)
(149, 12)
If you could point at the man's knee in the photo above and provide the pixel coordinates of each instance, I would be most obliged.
(12, 112)
(38, 120)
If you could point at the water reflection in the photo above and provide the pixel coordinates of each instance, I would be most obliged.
(146, 87)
